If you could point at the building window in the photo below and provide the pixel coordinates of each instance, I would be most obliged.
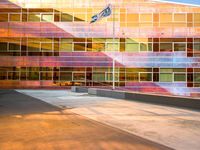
(14, 46)
(98, 76)
(3, 17)
(66, 76)
(179, 77)
(146, 18)
(166, 77)
(13, 75)
(180, 17)
(47, 17)
(145, 77)
(197, 77)
(46, 46)
(66, 17)
(3, 47)
(132, 47)
(79, 46)
(179, 46)
(33, 46)
(78, 76)
(66, 47)
(166, 47)
(33, 75)
(46, 75)
(109, 76)
(3, 75)
(23, 76)
(196, 17)
(112, 47)
(197, 47)
(133, 17)
(132, 77)
(145, 47)
(34, 17)
(165, 17)
(98, 47)
(15, 17)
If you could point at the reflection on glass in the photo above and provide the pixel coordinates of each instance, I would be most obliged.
(47, 17)
(179, 47)
(166, 77)
(15, 17)
(179, 77)
(132, 47)
(100, 76)
(78, 76)
(145, 76)
(34, 17)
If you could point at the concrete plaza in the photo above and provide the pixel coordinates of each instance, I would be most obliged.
(173, 127)
(27, 123)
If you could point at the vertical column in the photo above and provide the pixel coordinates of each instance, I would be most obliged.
(156, 45)
(122, 76)
(122, 44)
(190, 77)
(156, 74)
(190, 47)
(88, 76)
(24, 46)
(57, 16)
(56, 74)
(56, 46)
(24, 15)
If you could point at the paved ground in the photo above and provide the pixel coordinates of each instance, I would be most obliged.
(176, 128)
(27, 123)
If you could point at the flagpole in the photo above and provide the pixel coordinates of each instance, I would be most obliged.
(113, 86)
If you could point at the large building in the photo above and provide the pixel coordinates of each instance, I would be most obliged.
(51, 43)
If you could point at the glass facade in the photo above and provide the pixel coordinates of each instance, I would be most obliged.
(51, 43)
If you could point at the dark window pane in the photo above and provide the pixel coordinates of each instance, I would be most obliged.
(79, 46)
(65, 76)
(45, 75)
(13, 75)
(33, 75)
(3, 75)
(14, 46)
(3, 46)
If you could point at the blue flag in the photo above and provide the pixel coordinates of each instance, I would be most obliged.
(104, 13)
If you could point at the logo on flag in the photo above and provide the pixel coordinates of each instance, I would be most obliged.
(104, 13)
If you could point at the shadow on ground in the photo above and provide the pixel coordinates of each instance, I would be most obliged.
(15, 103)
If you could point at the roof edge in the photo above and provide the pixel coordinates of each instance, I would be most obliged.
(165, 1)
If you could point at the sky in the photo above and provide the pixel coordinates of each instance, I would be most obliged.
(196, 2)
